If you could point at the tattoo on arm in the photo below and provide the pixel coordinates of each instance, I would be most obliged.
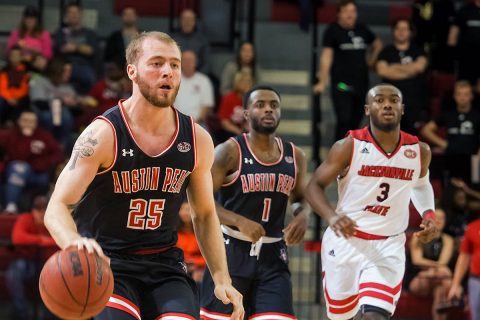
(83, 148)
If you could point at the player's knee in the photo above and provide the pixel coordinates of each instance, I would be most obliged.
(369, 312)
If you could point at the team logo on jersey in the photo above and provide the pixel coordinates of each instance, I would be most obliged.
(364, 150)
(184, 147)
(409, 153)
(248, 160)
(125, 152)
(288, 159)
(184, 267)
(331, 253)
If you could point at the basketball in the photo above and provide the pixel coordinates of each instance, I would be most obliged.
(75, 284)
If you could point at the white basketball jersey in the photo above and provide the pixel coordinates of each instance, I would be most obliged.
(376, 190)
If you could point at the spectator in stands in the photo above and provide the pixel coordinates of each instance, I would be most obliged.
(31, 155)
(231, 112)
(52, 96)
(430, 261)
(343, 57)
(195, 97)
(432, 20)
(468, 261)
(244, 61)
(30, 36)
(463, 129)
(13, 86)
(188, 243)
(403, 64)
(79, 45)
(464, 35)
(191, 38)
(106, 93)
(34, 245)
(119, 39)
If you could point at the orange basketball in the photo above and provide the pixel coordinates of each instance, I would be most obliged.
(75, 284)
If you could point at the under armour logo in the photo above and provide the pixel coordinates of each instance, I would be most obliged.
(125, 152)
(247, 160)
(331, 253)
(364, 150)
(227, 241)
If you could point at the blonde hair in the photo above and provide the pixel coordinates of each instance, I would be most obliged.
(134, 49)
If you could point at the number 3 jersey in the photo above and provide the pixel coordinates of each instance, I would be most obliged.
(260, 191)
(376, 190)
(134, 204)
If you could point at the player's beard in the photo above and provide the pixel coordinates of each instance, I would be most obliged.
(149, 93)
(258, 127)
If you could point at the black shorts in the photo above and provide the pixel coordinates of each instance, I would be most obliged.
(154, 286)
(264, 283)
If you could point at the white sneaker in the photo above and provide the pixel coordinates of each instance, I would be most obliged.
(11, 208)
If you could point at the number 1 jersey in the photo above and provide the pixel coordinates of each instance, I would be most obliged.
(377, 188)
(260, 191)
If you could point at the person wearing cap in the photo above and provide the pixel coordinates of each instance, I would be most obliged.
(31, 37)
(34, 245)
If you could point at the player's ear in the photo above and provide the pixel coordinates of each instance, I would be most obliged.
(245, 114)
(367, 110)
(132, 71)
(403, 109)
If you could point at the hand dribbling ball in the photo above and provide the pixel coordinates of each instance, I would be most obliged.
(75, 284)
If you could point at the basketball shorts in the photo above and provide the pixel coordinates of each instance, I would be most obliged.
(154, 286)
(360, 272)
(264, 283)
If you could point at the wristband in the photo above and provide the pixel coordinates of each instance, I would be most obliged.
(429, 215)
(296, 208)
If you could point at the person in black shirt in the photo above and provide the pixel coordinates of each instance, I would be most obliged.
(130, 171)
(462, 126)
(345, 45)
(465, 36)
(403, 64)
(255, 174)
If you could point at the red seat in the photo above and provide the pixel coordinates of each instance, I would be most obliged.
(441, 84)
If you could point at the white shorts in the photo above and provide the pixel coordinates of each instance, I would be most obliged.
(360, 272)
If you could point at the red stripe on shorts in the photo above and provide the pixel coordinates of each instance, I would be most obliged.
(376, 295)
(392, 290)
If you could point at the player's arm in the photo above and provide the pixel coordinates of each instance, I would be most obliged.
(93, 150)
(423, 198)
(338, 159)
(295, 231)
(206, 224)
(226, 164)
(326, 60)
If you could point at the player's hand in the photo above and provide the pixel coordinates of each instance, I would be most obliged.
(295, 231)
(429, 232)
(90, 245)
(252, 229)
(342, 225)
(455, 292)
(228, 294)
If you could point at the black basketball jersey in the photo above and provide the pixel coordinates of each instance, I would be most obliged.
(260, 191)
(134, 204)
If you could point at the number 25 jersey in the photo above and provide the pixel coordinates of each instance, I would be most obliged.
(134, 204)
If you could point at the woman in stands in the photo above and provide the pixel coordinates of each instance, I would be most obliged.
(244, 61)
(430, 262)
(31, 37)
